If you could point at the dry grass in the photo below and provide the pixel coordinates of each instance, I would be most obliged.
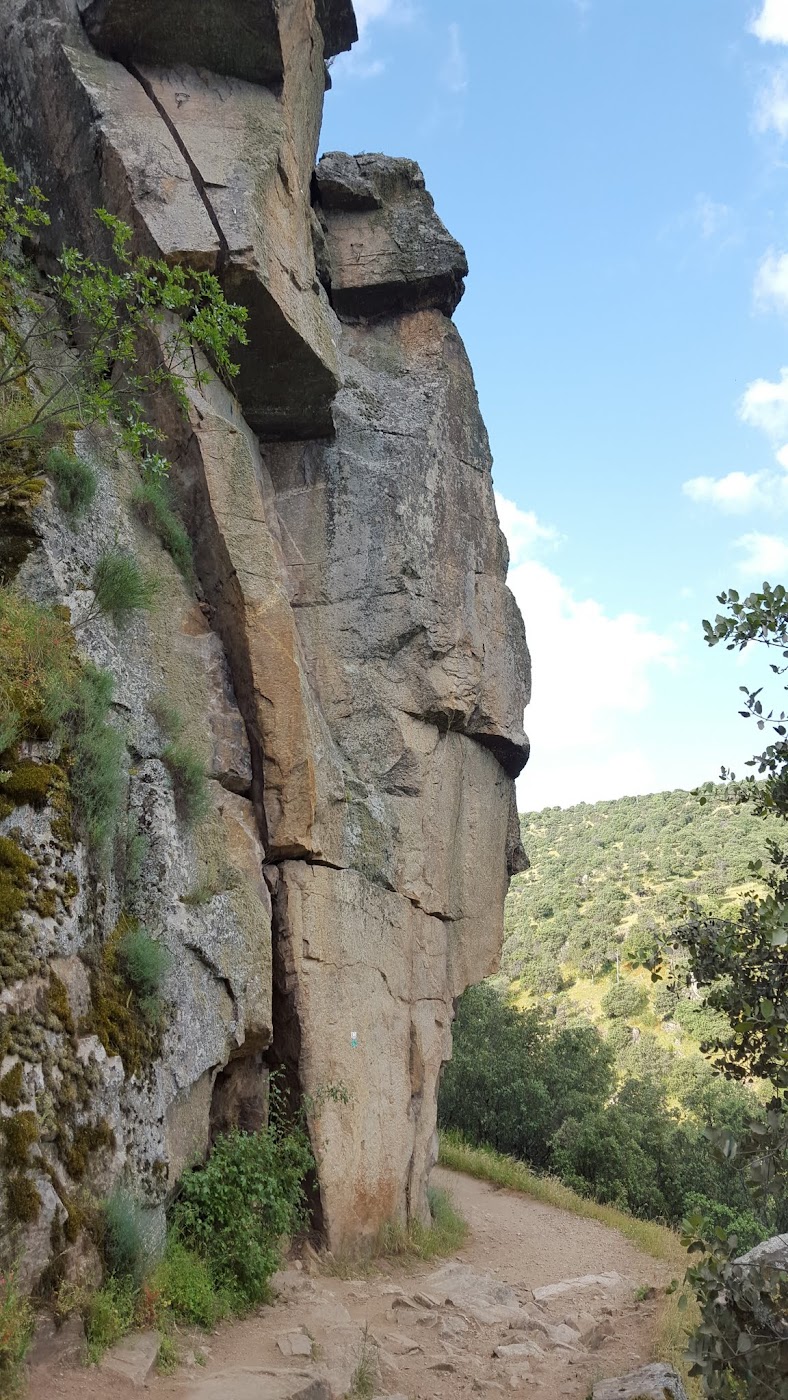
(406, 1247)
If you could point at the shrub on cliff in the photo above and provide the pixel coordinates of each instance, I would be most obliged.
(113, 308)
(235, 1210)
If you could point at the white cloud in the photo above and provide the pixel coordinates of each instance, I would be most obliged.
(735, 493)
(710, 216)
(766, 556)
(771, 104)
(454, 72)
(764, 405)
(369, 10)
(590, 671)
(522, 529)
(771, 281)
(771, 25)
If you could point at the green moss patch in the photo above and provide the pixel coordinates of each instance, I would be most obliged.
(23, 1202)
(127, 1022)
(12, 1086)
(20, 1133)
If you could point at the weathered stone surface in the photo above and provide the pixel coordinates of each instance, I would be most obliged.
(655, 1382)
(398, 619)
(389, 251)
(133, 1359)
(252, 1383)
(252, 152)
(772, 1252)
(568, 1287)
(354, 674)
(478, 1295)
(771, 1256)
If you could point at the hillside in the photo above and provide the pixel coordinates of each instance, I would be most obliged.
(608, 880)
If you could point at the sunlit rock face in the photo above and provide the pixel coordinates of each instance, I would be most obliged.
(361, 665)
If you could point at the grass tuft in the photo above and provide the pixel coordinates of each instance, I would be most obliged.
(75, 482)
(124, 1243)
(109, 1315)
(16, 1333)
(189, 782)
(362, 1385)
(121, 588)
(153, 504)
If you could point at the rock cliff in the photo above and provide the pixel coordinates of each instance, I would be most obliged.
(348, 662)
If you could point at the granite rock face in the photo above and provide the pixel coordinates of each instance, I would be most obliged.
(356, 665)
(388, 249)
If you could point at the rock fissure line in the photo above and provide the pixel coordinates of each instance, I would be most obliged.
(199, 183)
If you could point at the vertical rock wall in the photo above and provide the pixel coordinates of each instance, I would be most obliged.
(352, 597)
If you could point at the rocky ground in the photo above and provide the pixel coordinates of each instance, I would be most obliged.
(539, 1303)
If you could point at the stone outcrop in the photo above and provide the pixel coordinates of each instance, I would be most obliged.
(354, 665)
(656, 1382)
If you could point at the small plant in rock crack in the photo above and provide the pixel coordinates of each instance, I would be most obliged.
(74, 480)
(120, 588)
(114, 308)
(189, 782)
(362, 1386)
(145, 962)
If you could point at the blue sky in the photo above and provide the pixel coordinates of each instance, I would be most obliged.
(618, 173)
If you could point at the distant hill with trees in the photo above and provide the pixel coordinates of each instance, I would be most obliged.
(608, 880)
(572, 1057)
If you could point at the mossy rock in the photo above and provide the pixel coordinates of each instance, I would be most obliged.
(126, 1023)
(29, 783)
(20, 1132)
(23, 1203)
(12, 1086)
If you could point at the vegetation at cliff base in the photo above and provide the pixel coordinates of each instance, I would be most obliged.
(554, 1097)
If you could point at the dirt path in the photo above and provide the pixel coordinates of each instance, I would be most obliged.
(434, 1329)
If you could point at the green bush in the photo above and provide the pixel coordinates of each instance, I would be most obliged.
(152, 501)
(702, 1022)
(624, 999)
(109, 1315)
(123, 1237)
(75, 482)
(744, 1224)
(121, 588)
(145, 962)
(235, 1210)
(189, 783)
(183, 1282)
(664, 1001)
(618, 1036)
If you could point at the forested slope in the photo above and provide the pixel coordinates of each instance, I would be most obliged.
(572, 1058)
